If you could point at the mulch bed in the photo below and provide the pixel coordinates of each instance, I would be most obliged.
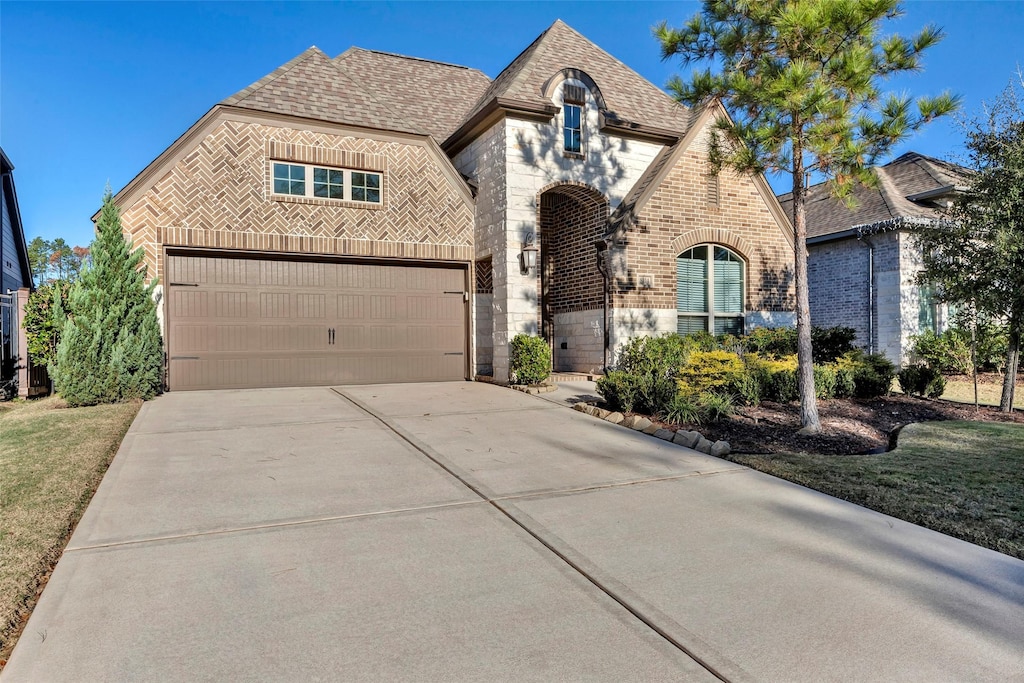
(849, 426)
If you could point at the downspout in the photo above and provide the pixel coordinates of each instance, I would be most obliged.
(601, 247)
(871, 292)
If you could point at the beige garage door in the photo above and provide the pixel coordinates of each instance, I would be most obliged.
(239, 323)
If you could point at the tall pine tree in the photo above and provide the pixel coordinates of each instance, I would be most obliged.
(802, 80)
(110, 349)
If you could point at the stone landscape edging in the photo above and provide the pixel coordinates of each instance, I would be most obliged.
(680, 437)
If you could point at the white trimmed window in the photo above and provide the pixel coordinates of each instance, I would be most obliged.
(574, 99)
(321, 182)
(710, 290)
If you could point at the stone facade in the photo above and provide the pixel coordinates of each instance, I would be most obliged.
(513, 164)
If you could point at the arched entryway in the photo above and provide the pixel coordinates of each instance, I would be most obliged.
(572, 217)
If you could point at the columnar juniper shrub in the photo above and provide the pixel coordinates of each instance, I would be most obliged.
(529, 360)
(110, 348)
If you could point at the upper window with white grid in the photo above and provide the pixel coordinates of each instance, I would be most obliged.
(321, 182)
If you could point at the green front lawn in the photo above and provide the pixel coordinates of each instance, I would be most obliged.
(988, 394)
(965, 479)
(51, 460)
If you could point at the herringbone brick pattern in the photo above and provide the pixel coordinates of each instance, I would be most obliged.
(218, 195)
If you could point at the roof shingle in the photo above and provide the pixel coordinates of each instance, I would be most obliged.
(628, 95)
(434, 94)
(312, 86)
(903, 177)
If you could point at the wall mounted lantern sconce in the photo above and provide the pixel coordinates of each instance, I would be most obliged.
(528, 257)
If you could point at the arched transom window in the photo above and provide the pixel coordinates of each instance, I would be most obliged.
(709, 290)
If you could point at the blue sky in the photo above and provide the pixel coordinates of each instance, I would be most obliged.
(90, 93)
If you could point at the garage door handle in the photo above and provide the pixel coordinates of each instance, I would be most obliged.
(184, 357)
(183, 284)
(454, 353)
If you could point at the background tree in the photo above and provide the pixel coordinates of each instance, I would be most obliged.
(39, 251)
(44, 320)
(802, 82)
(977, 254)
(55, 260)
(110, 349)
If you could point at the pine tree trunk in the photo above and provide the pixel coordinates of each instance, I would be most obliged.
(809, 421)
(1012, 360)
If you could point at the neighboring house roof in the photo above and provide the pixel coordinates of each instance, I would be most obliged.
(910, 188)
(437, 96)
(10, 196)
(627, 95)
(313, 86)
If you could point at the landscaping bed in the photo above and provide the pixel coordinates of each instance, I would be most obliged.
(849, 426)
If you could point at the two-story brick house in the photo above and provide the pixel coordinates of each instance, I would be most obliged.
(376, 217)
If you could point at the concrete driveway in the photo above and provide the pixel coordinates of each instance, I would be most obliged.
(462, 531)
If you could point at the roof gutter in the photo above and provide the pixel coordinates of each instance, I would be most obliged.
(936, 192)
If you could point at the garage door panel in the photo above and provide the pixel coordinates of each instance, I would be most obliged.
(236, 323)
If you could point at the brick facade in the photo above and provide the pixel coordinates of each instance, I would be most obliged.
(689, 208)
(217, 195)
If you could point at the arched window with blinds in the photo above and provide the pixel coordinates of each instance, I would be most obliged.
(710, 290)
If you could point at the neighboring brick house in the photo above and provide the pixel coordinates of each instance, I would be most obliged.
(862, 262)
(375, 217)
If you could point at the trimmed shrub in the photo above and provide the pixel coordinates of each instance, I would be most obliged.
(110, 348)
(873, 376)
(825, 381)
(831, 342)
(656, 356)
(529, 360)
(921, 380)
(783, 386)
(749, 386)
(772, 342)
(845, 386)
(937, 387)
(618, 388)
(709, 370)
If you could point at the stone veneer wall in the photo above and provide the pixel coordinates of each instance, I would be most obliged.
(217, 195)
(483, 161)
(685, 211)
(534, 163)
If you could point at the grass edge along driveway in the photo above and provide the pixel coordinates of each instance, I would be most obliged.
(962, 478)
(52, 458)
